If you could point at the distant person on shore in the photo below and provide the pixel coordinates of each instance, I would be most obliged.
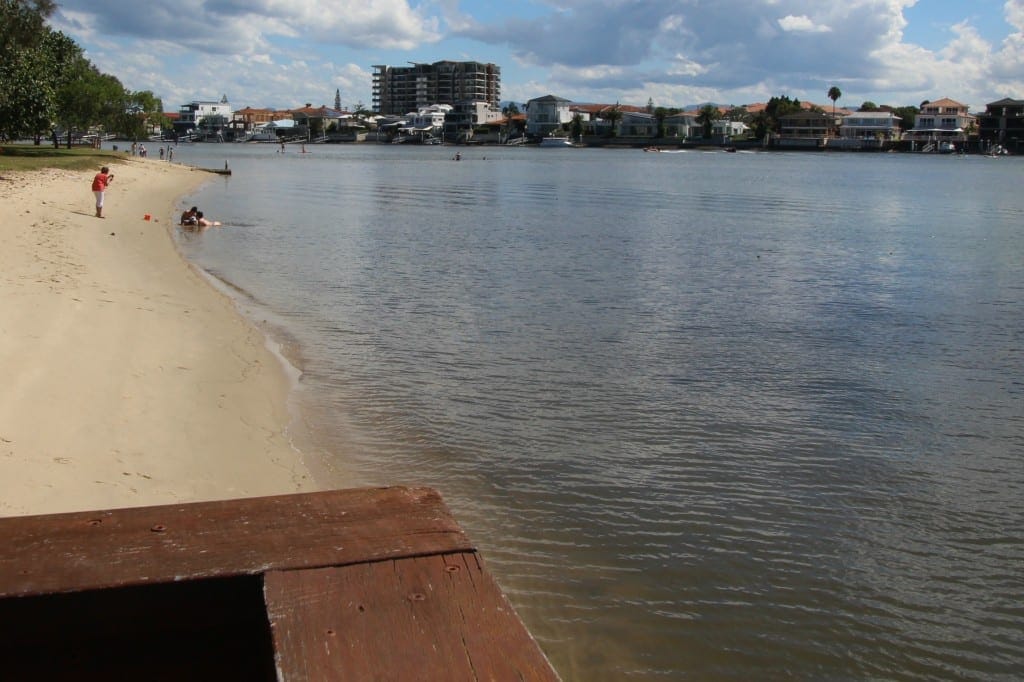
(188, 218)
(99, 188)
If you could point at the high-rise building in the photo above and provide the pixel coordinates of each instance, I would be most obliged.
(401, 89)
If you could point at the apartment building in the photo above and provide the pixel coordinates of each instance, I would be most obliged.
(400, 90)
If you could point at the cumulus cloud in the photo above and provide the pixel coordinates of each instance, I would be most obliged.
(591, 49)
(237, 27)
(802, 24)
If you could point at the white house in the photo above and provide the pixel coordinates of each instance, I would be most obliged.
(941, 120)
(725, 129)
(863, 125)
(429, 119)
(547, 114)
(683, 125)
(191, 114)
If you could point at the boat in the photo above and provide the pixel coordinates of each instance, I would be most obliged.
(556, 142)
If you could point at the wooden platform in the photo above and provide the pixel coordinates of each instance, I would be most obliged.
(377, 584)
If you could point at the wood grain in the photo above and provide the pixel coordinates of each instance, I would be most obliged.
(422, 618)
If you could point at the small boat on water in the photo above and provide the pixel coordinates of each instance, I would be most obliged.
(556, 142)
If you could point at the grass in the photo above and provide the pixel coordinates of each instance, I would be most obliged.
(21, 157)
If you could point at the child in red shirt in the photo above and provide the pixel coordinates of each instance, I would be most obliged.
(99, 186)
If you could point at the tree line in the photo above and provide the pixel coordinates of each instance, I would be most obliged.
(48, 89)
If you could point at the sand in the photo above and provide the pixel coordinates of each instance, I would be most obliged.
(128, 380)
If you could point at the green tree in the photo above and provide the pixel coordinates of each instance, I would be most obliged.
(707, 116)
(834, 93)
(907, 116)
(139, 113)
(869, 106)
(26, 82)
(576, 126)
(26, 96)
(660, 114)
(613, 115)
(738, 114)
(22, 24)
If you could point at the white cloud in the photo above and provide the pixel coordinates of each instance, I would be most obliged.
(802, 24)
(278, 52)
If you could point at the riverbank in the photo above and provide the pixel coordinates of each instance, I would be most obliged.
(129, 380)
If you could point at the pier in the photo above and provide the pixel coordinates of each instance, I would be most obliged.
(347, 584)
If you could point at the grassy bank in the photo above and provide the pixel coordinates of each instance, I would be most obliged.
(16, 157)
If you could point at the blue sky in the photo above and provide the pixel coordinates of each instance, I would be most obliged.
(285, 53)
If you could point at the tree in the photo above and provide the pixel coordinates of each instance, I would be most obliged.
(834, 94)
(22, 24)
(660, 114)
(613, 115)
(26, 83)
(738, 114)
(707, 116)
(576, 126)
(907, 116)
(139, 112)
(869, 106)
(27, 96)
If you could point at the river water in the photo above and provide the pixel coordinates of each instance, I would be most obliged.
(707, 415)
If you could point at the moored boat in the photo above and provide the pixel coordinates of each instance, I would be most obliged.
(556, 142)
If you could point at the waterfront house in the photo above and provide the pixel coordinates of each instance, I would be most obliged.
(545, 115)
(804, 129)
(724, 129)
(212, 116)
(943, 120)
(316, 120)
(637, 124)
(683, 125)
(1002, 124)
(870, 125)
(466, 117)
(427, 121)
(249, 117)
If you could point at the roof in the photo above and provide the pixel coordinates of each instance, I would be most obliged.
(549, 98)
(944, 102)
(317, 112)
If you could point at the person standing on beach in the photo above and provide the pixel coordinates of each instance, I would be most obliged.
(99, 188)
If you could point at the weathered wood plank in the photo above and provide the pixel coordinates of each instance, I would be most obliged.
(115, 548)
(424, 618)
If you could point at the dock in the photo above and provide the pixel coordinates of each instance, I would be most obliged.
(358, 584)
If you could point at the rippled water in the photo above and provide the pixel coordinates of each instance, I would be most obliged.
(709, 416)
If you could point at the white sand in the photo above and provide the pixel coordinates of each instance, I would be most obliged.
(128, 380)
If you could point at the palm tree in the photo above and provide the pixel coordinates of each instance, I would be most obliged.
(834, 93)
(707, 116)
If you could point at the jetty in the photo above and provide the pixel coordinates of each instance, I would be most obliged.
(358, 584)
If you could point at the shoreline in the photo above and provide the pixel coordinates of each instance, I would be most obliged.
(131, 379)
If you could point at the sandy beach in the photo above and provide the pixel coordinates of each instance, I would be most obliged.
(128, 379)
